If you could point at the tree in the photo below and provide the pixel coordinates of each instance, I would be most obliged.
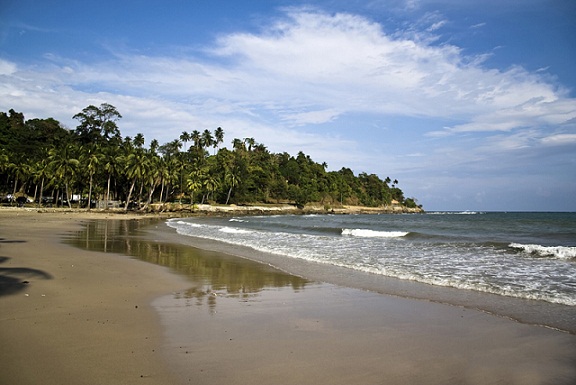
(97, 124)
(231, 179)
(185, 137)
(219, 136)
(112, 160)
(136, 168)
(90, 160)
(64, 166)
(196, 139)
(194, 183)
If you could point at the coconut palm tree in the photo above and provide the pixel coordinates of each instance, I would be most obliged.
(113, 164)
(219, 136)
(194, 183)
(185, 138)
(64, 164)
(90, 160)
(211, 183)
(136, 168)
(232, 179)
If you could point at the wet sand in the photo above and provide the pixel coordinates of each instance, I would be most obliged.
(89, 317)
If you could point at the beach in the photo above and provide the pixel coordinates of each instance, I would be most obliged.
(81, 316)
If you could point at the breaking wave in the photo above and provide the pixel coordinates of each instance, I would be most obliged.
(365, 233)
(558, 252)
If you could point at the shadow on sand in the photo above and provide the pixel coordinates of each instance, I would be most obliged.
(16, 279)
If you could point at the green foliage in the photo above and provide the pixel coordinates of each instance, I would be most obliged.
(96, 162)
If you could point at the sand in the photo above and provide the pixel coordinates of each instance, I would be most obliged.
(83, 317)
(87, 317)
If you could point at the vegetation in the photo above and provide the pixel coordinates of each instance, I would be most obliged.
(41, 159)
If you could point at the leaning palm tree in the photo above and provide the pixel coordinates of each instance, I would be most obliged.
(232, 180)
(152, 176)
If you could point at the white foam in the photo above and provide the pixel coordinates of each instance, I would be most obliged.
(559, 252)
(456, 212)
(232, 230)
(365, 233)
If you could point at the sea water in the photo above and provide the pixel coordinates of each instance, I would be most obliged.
(530, 256)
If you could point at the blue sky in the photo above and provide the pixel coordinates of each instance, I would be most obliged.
(471, 105)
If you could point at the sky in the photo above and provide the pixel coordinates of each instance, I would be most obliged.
(469, 104)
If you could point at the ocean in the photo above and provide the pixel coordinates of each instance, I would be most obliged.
(524, 255)
(516, 265)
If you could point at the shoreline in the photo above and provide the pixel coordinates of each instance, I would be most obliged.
(526, 311)
(235, 321)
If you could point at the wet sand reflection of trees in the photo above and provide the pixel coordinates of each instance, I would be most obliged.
(213, 274)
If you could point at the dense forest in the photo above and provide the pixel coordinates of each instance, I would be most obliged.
(43, 162)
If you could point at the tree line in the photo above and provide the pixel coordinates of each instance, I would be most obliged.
(41, 159)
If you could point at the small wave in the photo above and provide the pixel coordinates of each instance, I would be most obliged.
(373, 234)
(236, 220)
(231, 230)
(558, 252)
(175, 223)
(456, 212)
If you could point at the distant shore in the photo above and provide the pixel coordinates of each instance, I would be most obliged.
(86, 317)
(175, 209)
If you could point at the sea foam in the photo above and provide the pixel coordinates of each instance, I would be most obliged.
(559, 252)
(373, 234)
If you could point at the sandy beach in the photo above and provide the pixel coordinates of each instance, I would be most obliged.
(74, 316)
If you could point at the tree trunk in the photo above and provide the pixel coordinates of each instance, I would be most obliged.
(14, 191)
(68, 197)
(90, 192)
(161, 192)
(149, 200)
(229, 192)
(41, 193)
(129, 194)
(107, 193)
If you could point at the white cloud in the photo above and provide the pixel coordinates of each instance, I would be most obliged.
(6, 67)
(560, 140)
(317, 65)
(479, 25)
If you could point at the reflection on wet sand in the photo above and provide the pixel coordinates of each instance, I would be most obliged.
(212, 274)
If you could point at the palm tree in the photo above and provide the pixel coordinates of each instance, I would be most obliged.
(196, 138)
(207, 139)
(164, 174)
(185, 137)
(112, 161)
(194, 183)
(21, 171)
(136, 165)
(219, 136)
(211, 183)
(90, 160)
(138, 140)
(251, 142)
(232, 180)
(40, 174)
(63, 164)
(152, 176)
